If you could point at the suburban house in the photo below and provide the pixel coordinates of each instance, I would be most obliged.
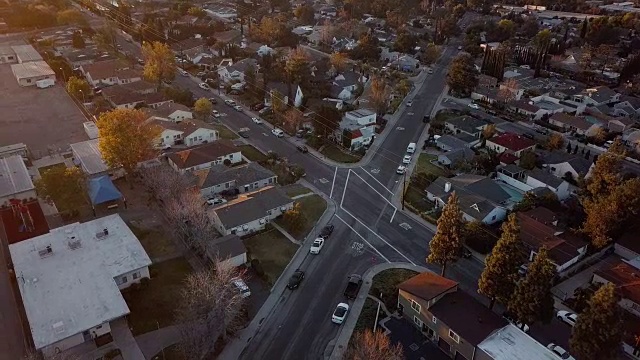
(560, 163)
(70, 281)
(627, 246)
(628, 106)
(344, 85)
(80, 57)
(110, 72)
(274, 87)
(450, 142)
(486, 94)
(631, 138)
(528, 109)
(539, 227)
(238, 179)
(86, 154)
(480, 197)
(234, 73)
(228, 250)
(597, 96)
(189, 48)
(15, 181)
(187, 133)
(511, 343)
(204, 156)
(466, 125)
(250, 212)
(510, 144)
(528, 180)
(357, 129)
(455, 156)
(171, 111)
(576, 124)
(449, 317)
(120, 96)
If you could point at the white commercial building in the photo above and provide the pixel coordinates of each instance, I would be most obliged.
(70, 280)
(510, 343)
(15, 181)
(28, 73)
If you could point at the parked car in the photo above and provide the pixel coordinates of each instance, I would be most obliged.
(215, 113)
(340, 313)
(326, 231)
(265, 111)
(426, 118)
(182, 72)
(238, 108)
(317, 245)
(300, 133)
(257, 107)
(204, 86)
(242, 287)
(216, 201)
(230, 102)
(560, 352)
(567, 317)
(295, 279)
(401, 170)
(474, 106)
(510, 319)
(411, 148)
(277, 132)
(406, 159)
(256, 120)
(243, 134)
(409, 103)
(303, 149)
(213, 100)
(430, 71)
(201, 74)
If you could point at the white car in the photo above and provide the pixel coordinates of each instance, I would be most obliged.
(409, 103)
(316, 246)
(216, 201)
(474, 106)
(238, 108)
(230, 102)
(215, 113)
(340, 313)
(242, 287)
(182, 72)
(256, 120)
(406, 159)
(567, 317)
(204, 86)
(430, 71)
(401, 170)
(277, 132)
(560, 352)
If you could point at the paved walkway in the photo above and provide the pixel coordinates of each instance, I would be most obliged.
(347, 328)
(302, 195)
(124, 340)
(153, 342)
(285, 233)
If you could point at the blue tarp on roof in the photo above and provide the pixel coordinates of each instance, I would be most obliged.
(101, 190)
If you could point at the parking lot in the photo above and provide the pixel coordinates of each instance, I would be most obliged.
(46, 120)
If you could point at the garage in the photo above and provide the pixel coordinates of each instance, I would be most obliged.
(27, 74)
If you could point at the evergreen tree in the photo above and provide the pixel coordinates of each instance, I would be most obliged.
(598, 331)
(445, 245)
(498, 279)
(532, 301)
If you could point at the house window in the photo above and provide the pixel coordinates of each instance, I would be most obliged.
(123, 280)
(454, 336)
(417, 321)
(415, 306)
(136, 275)
(270, 180)
(493, 217)
(226, 186)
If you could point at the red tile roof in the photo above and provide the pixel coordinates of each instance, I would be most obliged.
(507, 158)
(626, 278)
(427, 285)
(513, 142)
(23, 224)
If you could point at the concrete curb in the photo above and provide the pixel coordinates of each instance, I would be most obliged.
(342, 340)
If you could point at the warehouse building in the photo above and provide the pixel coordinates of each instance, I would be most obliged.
(29, 73)
(26, 53)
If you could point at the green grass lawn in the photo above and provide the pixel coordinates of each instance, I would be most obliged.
(334, 153)
(153, 304)
(367, 316)
(157, 244)
(45, 168)
(273, 250)
(252, 153)
(416, 197)
(424, 165)
(224, 132)
(312, 208)
(386, 282)
(295, 190)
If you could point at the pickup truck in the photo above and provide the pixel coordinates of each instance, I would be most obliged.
(351, 292)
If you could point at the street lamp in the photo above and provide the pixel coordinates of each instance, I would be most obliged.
(83, 99)
(64, 76)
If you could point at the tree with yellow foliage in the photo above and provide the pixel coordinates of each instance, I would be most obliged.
(160, 63)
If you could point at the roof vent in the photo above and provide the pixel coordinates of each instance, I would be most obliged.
(74, 243)
(47, 251)
(58, 327)
(102, 234)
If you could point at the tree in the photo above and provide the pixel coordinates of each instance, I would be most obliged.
(78, 88)
(555, 142)
(508, 90)
(71, 17)
(77, 40)
(431, 54)
(530, 27)
(106, 36)
(369, 345)
(326, 120)
(197, 12)
(379, 95)
(368, 48)
(203, 107)
(598, 331)
(294, 218)
(405, 42)
(298, 68)
(209, 307)
(164, 183)
(445, 245)
(269, 31)
(292, 119)
(506, 28)
(583, 29)
(277, 104)
(305, 14)
(462, 77)
(528, 160)
(65, 187)
(126, 138)
(339, 61)
(532, 300)
(542, 39)
(489, 131)
(498, 279)
(160, 63)
(403, 87)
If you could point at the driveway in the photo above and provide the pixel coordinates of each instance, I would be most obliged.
(415, 345)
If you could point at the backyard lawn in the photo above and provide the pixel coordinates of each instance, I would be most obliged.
(424, 165)
(45, 168)
(154, 303)
(273, 250)
(224, 132)
(334, 153)
(312, 207)
(386, 282)
(252, 153)
(157, 244)
(295, 190)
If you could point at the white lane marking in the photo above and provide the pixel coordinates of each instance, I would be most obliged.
(405, 226)
(393, 216)
(375, 171)
(363, 239)
(399, 128)
(372, 188)
(345, 187)
(323, 180)
(378, 181)
(333, 184)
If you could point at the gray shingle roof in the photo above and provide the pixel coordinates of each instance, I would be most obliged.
(545, 177)
(467, 123)
(242, 175)
(225, 247)
(451, 141)
(254, 206)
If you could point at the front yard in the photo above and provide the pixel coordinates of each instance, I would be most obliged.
(251, 153)
(273, 250)
(153, 303)
(336, 154)
(312, 207)
(386, 282)
(295, 190)
(424, 165)
(367, 316)
(224, 132)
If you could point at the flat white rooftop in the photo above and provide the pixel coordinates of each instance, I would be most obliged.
(26, 53)
(14, 177)
(66, 277)
(31, 69)
(89, 156)
(510, 343)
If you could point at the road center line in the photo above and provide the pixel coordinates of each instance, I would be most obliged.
(363, 239)
(333, 183)
(374, 189)
(378, 181)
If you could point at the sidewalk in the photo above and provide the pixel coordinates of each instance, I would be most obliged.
(285, 233)
(233, 350)
(342, 341)
(154, 342)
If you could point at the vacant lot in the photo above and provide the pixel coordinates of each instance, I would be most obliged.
(273, 250)
(43, 119)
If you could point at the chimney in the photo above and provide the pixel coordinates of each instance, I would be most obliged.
(447, 187)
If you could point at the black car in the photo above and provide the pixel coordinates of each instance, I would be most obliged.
(295, 279)
(326, 231)
(426, 118)
(243, 134)
(303, 149)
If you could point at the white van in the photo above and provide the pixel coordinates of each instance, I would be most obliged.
(45, 83)
(277, 132)
(411, 148)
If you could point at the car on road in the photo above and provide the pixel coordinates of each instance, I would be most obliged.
(401, 170)
(474, 106)
(182, 72)
(216, 201)
(340, 313)
(326, 231)
(409, 103)
(430, 71)
(215, 113)
(243, 134)
(303, 149)
(242, 287)
(317, 245)
(567, 317)
(277, 132)
(238, 108)
(411, 148)
(295, 279)
(213, 100)
(204, 86)
(406, 159)
(256, 120)
(230, 102)
(560, 352)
